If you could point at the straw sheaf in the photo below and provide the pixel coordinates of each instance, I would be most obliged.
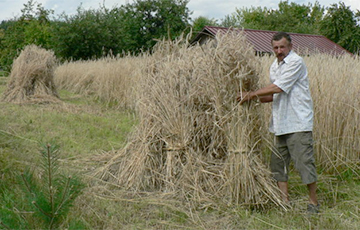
(110, 79)
(193, 139)
(31, 77)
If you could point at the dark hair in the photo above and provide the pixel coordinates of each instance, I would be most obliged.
(279, 35)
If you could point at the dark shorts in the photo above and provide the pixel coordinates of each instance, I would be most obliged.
(299, 148)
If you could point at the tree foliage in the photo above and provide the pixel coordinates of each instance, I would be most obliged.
(341, 25)
(84, 35)
(137, 26)
(200, 22)
(93, 33)
(128, 28)
(290, 17)
(33, 27)
(146, 21)
(337, 22)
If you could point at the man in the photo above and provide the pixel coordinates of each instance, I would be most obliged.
(292, 117)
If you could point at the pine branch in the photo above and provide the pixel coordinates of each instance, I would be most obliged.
(26, 182)
(63, 198)
(2, 224)
(41, 210)
(49, 169)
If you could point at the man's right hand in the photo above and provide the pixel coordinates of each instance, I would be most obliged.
(244, 97)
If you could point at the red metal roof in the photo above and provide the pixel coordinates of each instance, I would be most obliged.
(261, 40)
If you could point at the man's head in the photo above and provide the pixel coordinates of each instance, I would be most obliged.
(281, 43)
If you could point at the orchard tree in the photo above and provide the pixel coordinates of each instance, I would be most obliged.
(231, 20)
(144, 21)
(341, 25)
(200, 22)
(32, 27)
(35, 11)
(128, 28)
(290, 17)
(298, 18)
(84, 35)
(249, 18)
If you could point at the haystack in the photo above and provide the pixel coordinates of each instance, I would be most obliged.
(193, 139)
(31, 77)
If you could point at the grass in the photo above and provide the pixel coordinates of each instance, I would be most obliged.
(82, 127)
(96, 128)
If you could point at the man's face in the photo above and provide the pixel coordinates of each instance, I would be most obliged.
(281, 48)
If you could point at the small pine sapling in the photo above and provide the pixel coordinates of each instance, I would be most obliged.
(52, 194)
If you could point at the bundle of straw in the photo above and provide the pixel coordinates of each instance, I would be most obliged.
(110, 79)
(194, 140)
(31, 77)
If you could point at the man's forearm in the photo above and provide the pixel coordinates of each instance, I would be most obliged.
(266, 99)
(266, 91)
(264, 94)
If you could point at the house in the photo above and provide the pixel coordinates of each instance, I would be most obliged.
(261, 41)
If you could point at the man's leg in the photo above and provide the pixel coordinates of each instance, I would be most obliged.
(312, 194)
(301, 151)
(279, 164)
(283, 186)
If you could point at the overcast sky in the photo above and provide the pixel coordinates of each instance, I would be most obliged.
(216, 9)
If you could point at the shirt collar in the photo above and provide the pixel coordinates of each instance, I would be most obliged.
(287, 57)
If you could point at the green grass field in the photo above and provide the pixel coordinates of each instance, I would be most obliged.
(85, 131)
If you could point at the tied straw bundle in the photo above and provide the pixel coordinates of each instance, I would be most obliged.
(31, 77)
(193, 139)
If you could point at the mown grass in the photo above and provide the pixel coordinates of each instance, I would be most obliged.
(85, 129)
(93, 128)
(81, 127)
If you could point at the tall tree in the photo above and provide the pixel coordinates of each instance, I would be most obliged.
(340, 25)
(84, 35)
(290, 17)
(144, 21)
(200, 22)
(128, 28)
(32, 27)
(231, 20)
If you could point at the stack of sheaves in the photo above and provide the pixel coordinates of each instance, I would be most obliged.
(31, 77)
(193, 139)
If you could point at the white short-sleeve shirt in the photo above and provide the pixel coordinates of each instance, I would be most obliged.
(292, 110)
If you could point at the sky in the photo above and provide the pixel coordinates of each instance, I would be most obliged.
(214, 9)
